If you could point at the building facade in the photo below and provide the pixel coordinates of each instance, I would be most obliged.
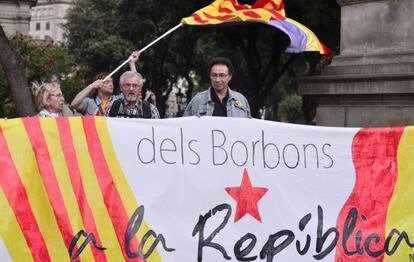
(15, 16)
(47, 19)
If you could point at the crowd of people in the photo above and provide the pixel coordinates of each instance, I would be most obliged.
(98, 98)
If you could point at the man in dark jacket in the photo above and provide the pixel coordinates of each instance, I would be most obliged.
(131, 105)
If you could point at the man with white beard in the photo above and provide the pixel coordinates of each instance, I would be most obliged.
(131, 105)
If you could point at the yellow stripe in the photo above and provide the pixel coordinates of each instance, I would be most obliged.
(51, 133)
(93, 193)
(312, 42)
(401, 210)
(22, 154)
(121, 184)
(213, 9)
(11, 233)
(239, 16)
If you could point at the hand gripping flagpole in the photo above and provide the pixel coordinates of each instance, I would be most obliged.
(145, 48)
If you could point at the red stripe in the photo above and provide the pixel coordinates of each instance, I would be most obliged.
(48, 175)
(276, 15)
(374, 153)
(252, 14)
(263, 3)
(112, 199)
(225, 10)
(326, 50)
(221, 18)
(76, 180)
(238, 6)
(198, 19)
(16, 195)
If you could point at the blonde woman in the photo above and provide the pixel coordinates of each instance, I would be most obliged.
(50, 101)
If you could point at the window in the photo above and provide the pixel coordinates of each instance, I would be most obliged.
(37, 26)
(47, 25)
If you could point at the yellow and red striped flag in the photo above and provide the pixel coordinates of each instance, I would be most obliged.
(230, 11)
(60, 176)
(269, 12)
(198, 189)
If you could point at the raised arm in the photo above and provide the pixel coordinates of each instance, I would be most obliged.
(135, 57)
(77, 101)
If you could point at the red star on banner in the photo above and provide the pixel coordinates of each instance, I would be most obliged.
(246, 197)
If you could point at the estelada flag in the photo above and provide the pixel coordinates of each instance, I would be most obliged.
(198, 189)
(270, 12)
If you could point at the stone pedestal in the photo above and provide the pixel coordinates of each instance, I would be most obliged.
(371, 83)
(15, 16)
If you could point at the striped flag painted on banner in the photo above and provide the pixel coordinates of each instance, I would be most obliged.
(60, 176)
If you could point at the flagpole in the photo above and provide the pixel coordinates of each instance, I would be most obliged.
(145, 48)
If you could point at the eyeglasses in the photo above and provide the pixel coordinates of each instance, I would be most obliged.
(57, 95)
(219, 76)
(129, 85)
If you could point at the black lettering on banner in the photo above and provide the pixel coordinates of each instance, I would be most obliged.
(326, 154)
(358, 240)
(297, 154)
(241, 254)
(411, 258)
(264, 146)
(213, 132)
(305, 156)
(349, 226)
(376, 238)
(182, 145)
(89, 238)
(208, 242)
(164, 149)
(133, 226)
(302, 224)
(195, 152)
(254, 151)
(245, 150)
(322, 237)
(283, 238)
(269, 250)
(152, 142)
(401, 236)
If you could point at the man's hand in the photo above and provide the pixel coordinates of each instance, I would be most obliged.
(135, 57)
(149, 94)
(95, 85)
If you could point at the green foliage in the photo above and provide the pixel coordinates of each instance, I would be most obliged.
(93, 36)
(102, 35)
(42, 63)
(131, 25)
(290, 109)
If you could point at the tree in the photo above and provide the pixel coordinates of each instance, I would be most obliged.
(266, 73)
(92, 35)
(41, 62)
(15, 72)
(104, 39)
(269, 71)
(171, 59)
(264, 70)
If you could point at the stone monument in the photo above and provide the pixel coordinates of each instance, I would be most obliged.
(15, 15)
(371, 82)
